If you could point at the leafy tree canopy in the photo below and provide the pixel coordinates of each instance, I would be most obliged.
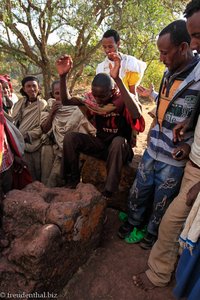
(33, 33)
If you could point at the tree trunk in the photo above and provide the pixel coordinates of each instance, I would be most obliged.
(76, 75)
(46, 72)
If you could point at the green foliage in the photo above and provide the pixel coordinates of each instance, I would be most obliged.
(33, 33)
(153, 74)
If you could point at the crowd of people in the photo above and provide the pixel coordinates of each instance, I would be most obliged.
(43, 139)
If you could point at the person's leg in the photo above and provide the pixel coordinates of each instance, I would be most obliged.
(163, 255)
(73, 144)
(29, 161)
(187, 274)
(140, 197)
(167, 185)
(55, 179)
(141, 193)
(118, 154)
(47, 160)
(37, 163)
(7, 179)
(33, 160)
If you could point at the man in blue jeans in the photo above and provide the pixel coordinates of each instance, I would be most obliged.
(163, 256)
(161, 169)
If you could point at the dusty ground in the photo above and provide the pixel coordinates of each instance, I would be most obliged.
(108, 273)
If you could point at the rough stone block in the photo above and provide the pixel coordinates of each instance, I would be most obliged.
(51, 233)
(94, 171)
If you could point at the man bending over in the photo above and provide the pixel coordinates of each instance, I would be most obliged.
(114, 111)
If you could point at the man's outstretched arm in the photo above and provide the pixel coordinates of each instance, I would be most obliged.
(130, 100)
(64, 65)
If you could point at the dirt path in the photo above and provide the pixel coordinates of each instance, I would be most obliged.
(108, 273)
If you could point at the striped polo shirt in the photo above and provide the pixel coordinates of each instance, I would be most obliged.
(176, 101)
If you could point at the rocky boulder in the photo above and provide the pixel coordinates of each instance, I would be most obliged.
(49, 233)
(94, 171)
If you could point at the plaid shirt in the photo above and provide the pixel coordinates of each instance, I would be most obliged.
(8, 157)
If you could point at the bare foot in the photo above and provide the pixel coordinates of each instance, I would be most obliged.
(142, 282)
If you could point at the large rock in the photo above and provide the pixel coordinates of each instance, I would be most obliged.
(50, 233)
(94, 171)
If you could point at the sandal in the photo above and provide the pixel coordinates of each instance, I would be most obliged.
(123, 216)
(135, 236)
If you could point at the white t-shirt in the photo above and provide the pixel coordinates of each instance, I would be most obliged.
(129, 64)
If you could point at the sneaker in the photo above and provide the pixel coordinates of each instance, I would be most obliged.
(148, 241)
(125, 230)
(123, 216)
(136, 236)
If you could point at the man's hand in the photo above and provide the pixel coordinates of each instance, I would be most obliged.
(114, 70)
(192, 194)
(179, 130)
(27, 138)
(144, 92)
(64, 64)
(181, 152)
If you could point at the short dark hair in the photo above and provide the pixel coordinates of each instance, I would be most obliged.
(192, 7)
(29, 78)
(103, 80)
(112, 33)
(178, 32)
(26, 79)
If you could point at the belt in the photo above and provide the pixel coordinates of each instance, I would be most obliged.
(194, 165)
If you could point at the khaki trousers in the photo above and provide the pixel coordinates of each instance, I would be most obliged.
(163, 256)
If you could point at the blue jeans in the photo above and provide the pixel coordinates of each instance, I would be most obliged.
(155, 186)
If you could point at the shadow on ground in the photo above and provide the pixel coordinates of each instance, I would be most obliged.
(108, 273)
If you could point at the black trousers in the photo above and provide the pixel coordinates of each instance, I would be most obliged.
(118, 153)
